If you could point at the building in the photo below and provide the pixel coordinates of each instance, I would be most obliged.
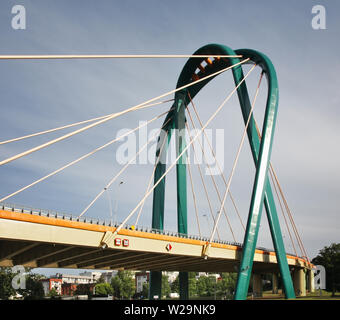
(204, 274)
(74, 278)
(94, 275)
(172, 275)
(107, 276)
(68, 289)
(140, 279)
(52, 283)
(66, 284)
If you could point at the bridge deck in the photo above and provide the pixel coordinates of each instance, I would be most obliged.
(40, 241)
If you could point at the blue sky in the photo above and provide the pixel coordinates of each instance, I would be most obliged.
(39, 95)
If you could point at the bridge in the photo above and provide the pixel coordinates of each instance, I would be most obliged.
(44, 239)
(40, 238)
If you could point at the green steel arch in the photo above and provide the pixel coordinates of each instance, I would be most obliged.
(261, 152)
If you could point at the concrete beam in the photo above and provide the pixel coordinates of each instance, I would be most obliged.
(38, 252)
(53, 261)
(114, 260)
(9, 249)
(91, 257)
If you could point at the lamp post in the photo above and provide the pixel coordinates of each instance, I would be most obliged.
(116, 203)
(206, 216)
(110, 205)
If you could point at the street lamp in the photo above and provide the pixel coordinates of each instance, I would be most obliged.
(206, 216)
(116, 204)
(110, 205)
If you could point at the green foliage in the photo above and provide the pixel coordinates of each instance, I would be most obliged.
(227, 285)
(145, 291)
(175, 285)
(103, 289)
(33, 286)
(123, 285)
(116, 284)
(84, 289)
(128, 284)
(201, 286)
(192, 287)
(208, 286)
(34, 289)
(165, 286)
(53, 293)
(329, 257)
(101, 279)
(211, 285)
(6, 289)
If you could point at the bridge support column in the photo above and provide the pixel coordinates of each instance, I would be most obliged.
(275, 283)
(310, 283)
(299, 282)
(183, 286)
(257, 285)
(155, 287)
(182, 220)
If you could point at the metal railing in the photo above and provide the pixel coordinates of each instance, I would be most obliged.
(70, 217)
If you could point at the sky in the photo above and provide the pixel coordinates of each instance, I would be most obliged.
(44, 94)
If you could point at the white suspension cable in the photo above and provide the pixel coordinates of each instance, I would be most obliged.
(109, 56)
(184, 150)
(115, 115)
(213, 181)
(119, 173)
(290, 216)
(70, 125)
(79, 159)
(282, 210)
(204, 185)
(110, 205)
(217, 162)
(235, 163)
(152, 176)
(194, 200)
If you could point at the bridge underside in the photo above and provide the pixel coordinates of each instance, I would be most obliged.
(46, 255)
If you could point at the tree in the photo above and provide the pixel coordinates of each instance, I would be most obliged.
(84, 289)
(201, 286)
(165, 286)
(192, 284)
(34, 289)
(6, 289)
(227, 285)
(211, 285)
(329, 258)
(192, 287)
(123, 285)
(175, 285)
(103, 289)
(101, 279)
(33, 286)
(128, 287)
(145, 291)
(53, 293)
(116, 284)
